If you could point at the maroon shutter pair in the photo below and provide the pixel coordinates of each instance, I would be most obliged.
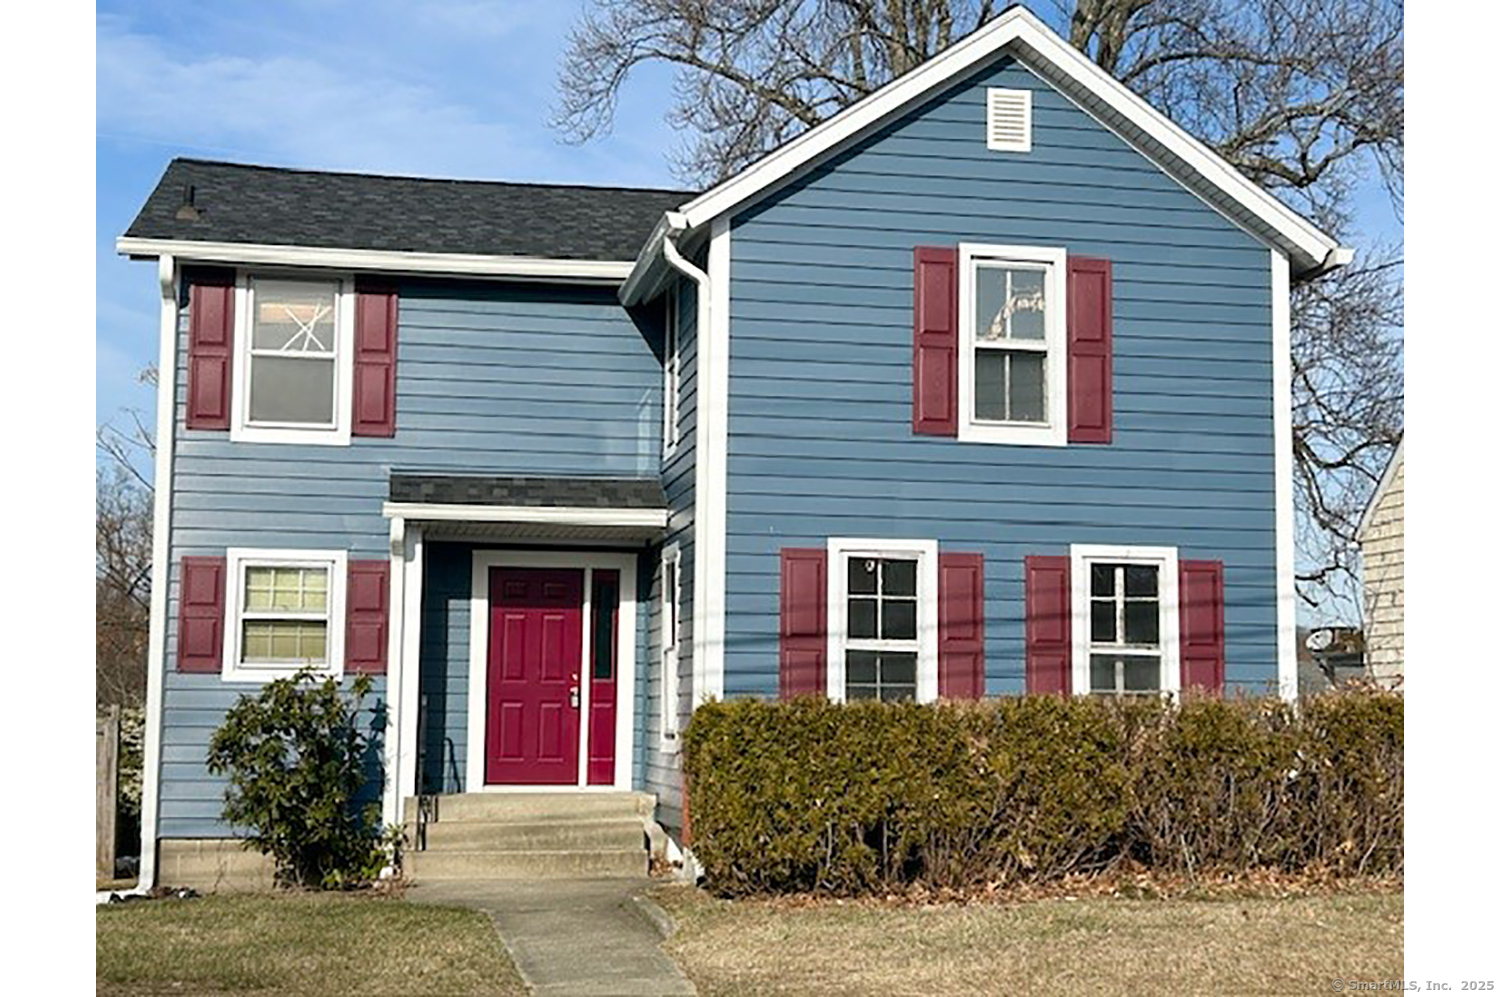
(200, 620)
(211, 353)
(804, 623)
(934, 410)
(1049, 635)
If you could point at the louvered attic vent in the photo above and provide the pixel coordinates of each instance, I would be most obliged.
(1008, 120)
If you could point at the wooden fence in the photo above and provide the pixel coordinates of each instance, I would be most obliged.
(106, 803)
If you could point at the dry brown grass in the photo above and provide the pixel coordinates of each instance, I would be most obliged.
(1084, 946)
(298, 943)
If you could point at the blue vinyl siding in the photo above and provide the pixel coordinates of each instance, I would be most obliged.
(820, 440)
(490, 378)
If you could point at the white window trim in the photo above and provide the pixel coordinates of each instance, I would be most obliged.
(241, 430)
(1165, 559)
(671, 372)
(240, 558)
(670, 655)
(840, 549)
(1054, 432)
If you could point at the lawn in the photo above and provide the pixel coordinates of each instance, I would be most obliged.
(298, 943)
(1092, 946)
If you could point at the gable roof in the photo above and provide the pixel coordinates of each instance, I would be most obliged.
(240, 206)
(1381, 487)
(1019, 33)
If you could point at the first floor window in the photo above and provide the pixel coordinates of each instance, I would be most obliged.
(287, 610)
(1012, 362)
(884, 621)
(671, 637)
(1129, 620)
(295, 351)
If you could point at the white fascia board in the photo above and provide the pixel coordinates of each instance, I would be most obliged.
(555, 515)
(1020, 27)
(452, 264)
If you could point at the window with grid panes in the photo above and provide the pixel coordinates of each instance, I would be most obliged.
(881, 647)
(1125, 628)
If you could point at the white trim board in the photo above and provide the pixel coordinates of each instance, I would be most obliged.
(1286, 516)
(385, 261)
(1155, 135)
(710, 517)
(553, 515)
(625, 675)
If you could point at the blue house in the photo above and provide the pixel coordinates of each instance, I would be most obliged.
(979, 388)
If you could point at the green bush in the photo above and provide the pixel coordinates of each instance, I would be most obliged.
(849, 799)
(295, 758)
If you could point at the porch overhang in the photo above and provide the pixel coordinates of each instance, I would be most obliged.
(629, 511)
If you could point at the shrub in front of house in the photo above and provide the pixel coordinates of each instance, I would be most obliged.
(848, 799)
(296, 761)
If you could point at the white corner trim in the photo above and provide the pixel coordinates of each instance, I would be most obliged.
(395, 674)
(1054, 433)
(1165, 558)
(1286, 516)
(454, 264)
(409, 703)
(710, 522)
(625, 676)
(237, 559)
(544, 514)
(161, 568)
(840, 549)
(1016, 25)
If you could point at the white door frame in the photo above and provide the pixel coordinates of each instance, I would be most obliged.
(479, 646)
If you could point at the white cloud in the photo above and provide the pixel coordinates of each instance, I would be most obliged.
(293, 109)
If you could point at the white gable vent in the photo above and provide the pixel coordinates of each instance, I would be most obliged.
(1008, 120)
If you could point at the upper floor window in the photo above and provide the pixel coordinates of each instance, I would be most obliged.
(1012, 344)
(671, 376)
(286, 612)
(294, 360)
(882, 620)
(1129, 629)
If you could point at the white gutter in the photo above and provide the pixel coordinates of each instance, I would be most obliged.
(161, 525)
(454, 264)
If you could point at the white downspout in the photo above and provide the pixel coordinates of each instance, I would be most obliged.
(161, 525)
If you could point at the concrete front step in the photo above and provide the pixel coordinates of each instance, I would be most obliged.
(526, 808)
(550, 835)
(440, 866)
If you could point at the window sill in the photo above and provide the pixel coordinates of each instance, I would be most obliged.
(1012, 435)
(281, 435)
(256, 675)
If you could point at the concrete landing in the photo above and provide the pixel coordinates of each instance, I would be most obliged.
(583, 937)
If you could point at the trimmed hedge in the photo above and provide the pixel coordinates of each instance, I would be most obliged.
(848, 799)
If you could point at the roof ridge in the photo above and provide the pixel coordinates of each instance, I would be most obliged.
(268, 168)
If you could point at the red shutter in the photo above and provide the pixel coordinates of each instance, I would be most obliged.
(961, 626)
(934, 367)
(200, 614)
(1049, 625)
(804, 621)
(366, 616)
(1201, 592)
(1090, 348)
(374, 360)
(210, 347)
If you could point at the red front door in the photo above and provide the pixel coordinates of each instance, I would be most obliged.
(535, 649)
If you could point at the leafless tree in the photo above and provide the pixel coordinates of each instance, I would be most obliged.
(1306, 97)
(122, 559)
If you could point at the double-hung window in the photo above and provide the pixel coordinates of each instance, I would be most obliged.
(671, 375)
(286, 612)
(294, 363)
(1012, 344)
(671, 637)
(1126, 620)
(882, 620)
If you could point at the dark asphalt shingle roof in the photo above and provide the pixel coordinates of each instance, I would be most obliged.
(278, 206)
(583, 493)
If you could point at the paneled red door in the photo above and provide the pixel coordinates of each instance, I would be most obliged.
(535, 650)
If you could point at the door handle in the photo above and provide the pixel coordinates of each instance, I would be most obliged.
(573, 697)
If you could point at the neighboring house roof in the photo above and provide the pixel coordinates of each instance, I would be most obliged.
(540, 492)
(1019, 33)
(1381, 487)
(235, 207)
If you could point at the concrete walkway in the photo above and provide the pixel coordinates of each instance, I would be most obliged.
(574, 937)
